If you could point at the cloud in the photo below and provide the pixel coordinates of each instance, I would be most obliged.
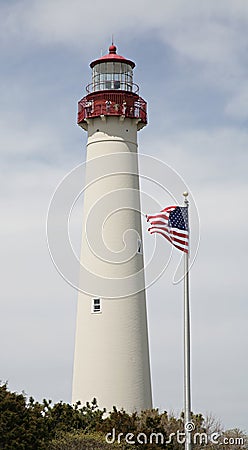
(213, 156)
(237, 106)
(38, 308)
(201, 31)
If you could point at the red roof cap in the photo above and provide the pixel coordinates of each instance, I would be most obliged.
(112, 49)
(112, 56)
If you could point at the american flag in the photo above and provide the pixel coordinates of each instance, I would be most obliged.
(172, 223)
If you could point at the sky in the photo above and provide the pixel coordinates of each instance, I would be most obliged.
(191, 64)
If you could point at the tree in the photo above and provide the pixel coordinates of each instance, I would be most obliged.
(30, 425)
(21, 425)
(81, 441)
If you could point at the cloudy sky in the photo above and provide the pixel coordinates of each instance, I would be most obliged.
(192, 65)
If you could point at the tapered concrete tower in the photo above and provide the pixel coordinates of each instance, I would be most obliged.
(111, 359)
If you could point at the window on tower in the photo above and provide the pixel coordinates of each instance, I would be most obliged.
(139, 246)
(96, 305)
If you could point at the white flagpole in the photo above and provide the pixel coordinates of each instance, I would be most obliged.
(187, 390)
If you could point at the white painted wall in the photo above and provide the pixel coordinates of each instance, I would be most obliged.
(111, 351)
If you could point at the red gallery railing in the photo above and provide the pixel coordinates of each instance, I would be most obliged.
(112, 103)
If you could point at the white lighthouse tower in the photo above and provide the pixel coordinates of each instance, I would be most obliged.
(111, 359)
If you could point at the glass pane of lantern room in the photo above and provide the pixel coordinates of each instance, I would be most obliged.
(112, 75)
(117, 81)
(127, 77)
(110, 67)
(99, 76)
(117, 68)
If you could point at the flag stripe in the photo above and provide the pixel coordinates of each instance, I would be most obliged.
(161, 216)
(167, 232)
(156, 224)
(184, 249)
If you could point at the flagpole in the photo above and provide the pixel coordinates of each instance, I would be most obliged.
(187, 390)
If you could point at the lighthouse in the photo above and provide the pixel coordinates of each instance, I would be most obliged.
(111, 360)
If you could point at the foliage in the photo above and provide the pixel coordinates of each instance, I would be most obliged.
(21, 424)
(81, 441)
(29, 425)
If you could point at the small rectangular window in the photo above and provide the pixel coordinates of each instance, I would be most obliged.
(96, 305)
(139, 246)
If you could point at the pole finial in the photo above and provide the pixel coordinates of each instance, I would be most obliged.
(185, 194)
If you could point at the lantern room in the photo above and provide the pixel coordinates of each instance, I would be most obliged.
(112, 91)
(112, 72)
